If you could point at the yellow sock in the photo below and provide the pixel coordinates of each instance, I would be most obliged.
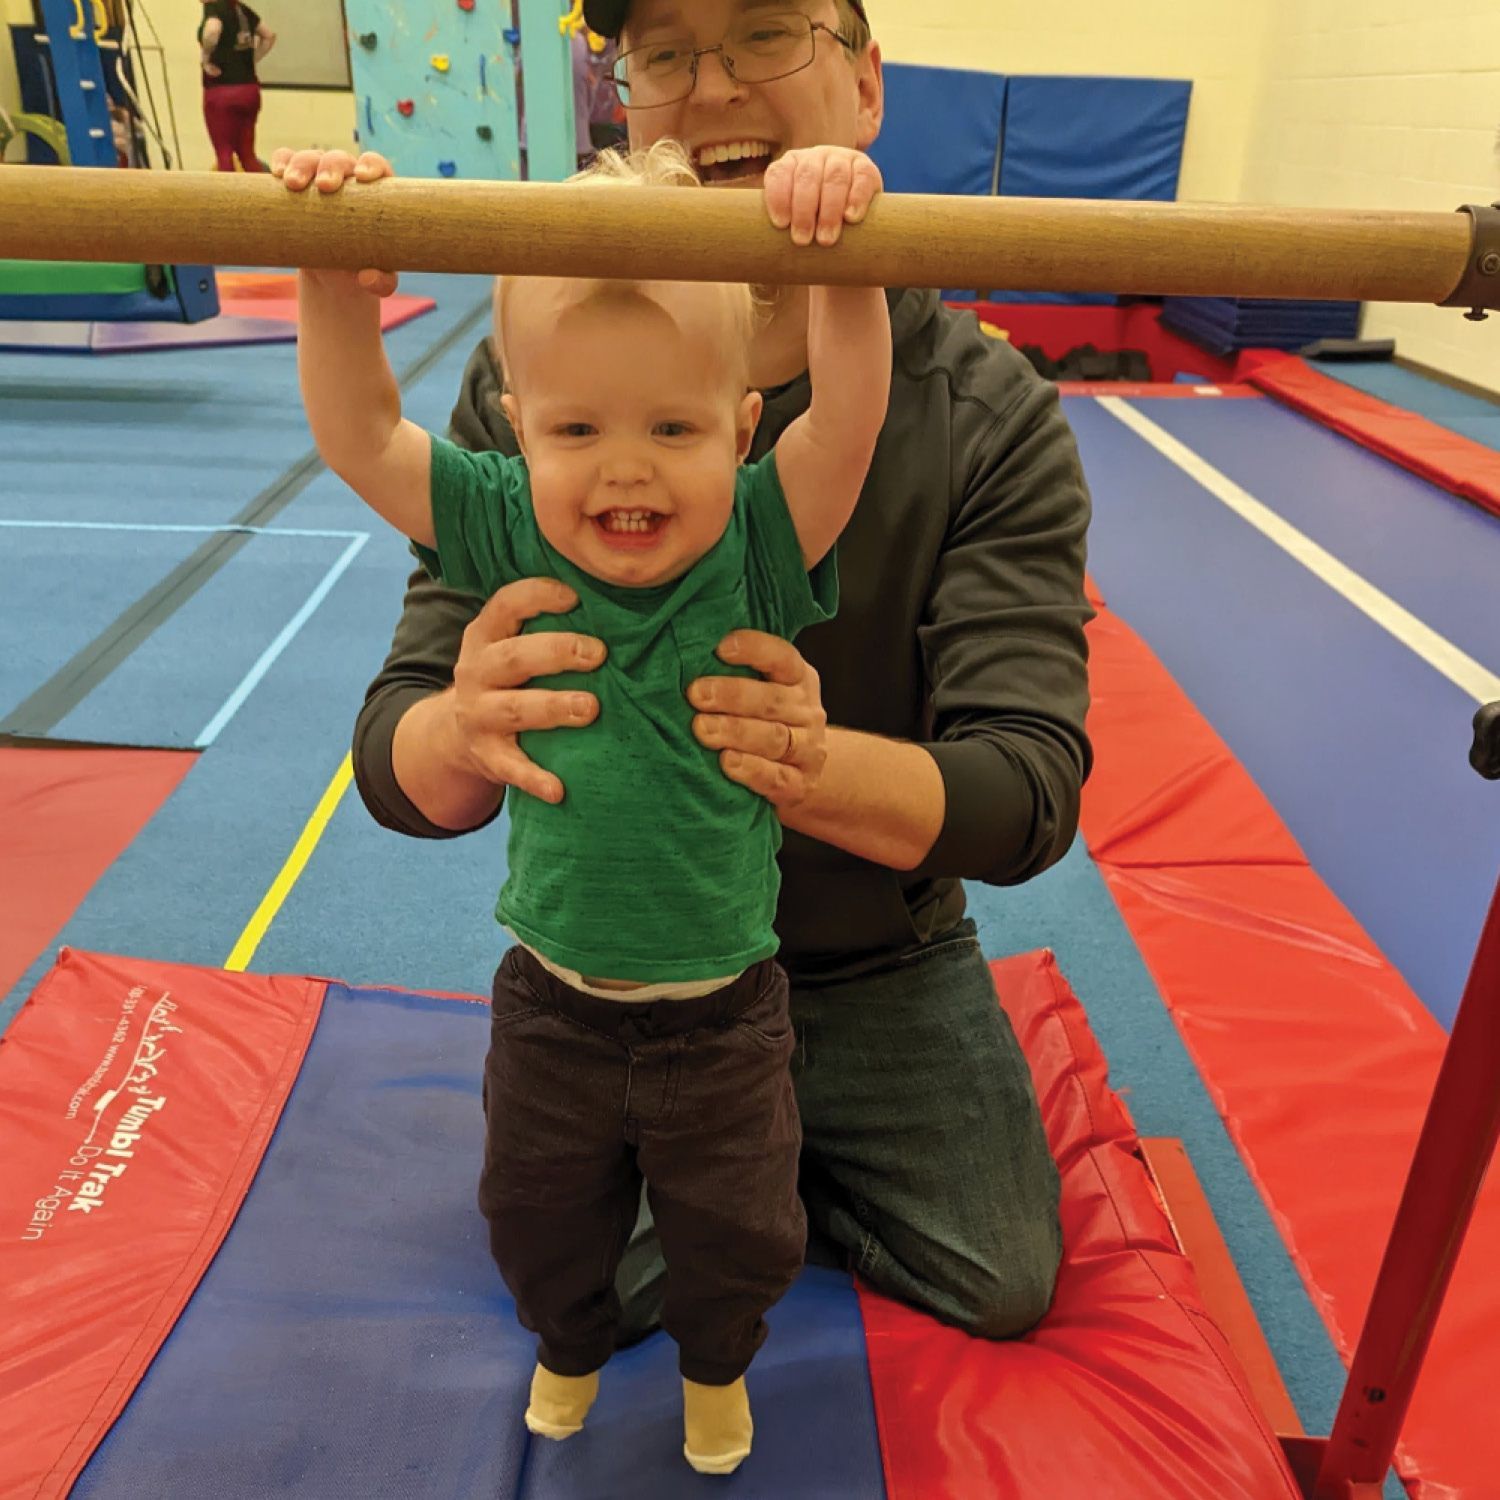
(559, 1403)
(718, 1425)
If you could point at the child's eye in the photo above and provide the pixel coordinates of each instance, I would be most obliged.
(575, 430)
(674, 429)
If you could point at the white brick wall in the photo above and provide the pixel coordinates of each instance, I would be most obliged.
(1325, 103)
(1386, 104)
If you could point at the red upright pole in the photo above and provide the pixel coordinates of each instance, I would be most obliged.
(1457, 1141)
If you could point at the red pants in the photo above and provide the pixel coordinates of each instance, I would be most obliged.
(231, 112)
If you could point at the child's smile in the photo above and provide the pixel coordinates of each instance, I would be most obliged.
(630, 405)
(631, 530)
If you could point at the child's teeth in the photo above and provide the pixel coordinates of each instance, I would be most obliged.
(632, 520)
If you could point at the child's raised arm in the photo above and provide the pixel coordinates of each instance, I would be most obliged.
(353, 402)
(823, 457)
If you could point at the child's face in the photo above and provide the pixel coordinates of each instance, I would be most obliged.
(632, 414)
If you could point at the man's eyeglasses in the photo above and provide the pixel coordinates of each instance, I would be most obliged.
(757, 50)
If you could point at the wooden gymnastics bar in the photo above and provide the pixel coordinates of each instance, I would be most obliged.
(1039, 244)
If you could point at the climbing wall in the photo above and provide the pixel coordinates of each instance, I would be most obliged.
(547, 62)
(435, 85)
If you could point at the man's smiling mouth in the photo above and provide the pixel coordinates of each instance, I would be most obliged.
(733, 161)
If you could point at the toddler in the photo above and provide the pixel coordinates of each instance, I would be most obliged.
(640, 1025)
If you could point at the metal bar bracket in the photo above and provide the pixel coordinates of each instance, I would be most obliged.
(1485, 756)
(1480, 287)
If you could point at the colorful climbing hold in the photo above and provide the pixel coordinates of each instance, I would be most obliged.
(369, 41)
(512, 36)
(405, 107)
(466, 4)
(484, 133)
(447, 169)
(440, 62)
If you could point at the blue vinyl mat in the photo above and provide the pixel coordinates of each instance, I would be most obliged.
(353, 1338)
(1361, 746)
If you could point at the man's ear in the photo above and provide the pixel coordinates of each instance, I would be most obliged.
(512, 409)
(870, 80)
(746, 421)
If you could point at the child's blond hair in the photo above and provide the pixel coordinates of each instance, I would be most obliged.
(665, 164)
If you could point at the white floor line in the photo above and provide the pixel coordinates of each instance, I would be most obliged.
(1439, 653)
(163, 526)
(215, 725)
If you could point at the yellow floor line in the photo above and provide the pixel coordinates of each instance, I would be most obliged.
(271, 903)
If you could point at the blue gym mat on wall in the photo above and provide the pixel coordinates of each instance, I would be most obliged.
(962, 109)
(1092, 138)
(1031, 138)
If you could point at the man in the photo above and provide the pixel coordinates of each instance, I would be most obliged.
(932, 732)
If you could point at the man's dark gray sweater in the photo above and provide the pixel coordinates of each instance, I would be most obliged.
(960, 627)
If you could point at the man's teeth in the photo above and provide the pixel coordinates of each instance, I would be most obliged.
(628, 520)
(713, 156)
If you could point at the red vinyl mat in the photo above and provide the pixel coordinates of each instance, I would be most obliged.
(65, 817)
(137, 1100)
(1446, 458)
(1126, 1389)
(1314, 1049)
(273, 295)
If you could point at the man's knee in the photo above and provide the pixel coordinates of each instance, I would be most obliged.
(1005, 1307)
(1004, 1297)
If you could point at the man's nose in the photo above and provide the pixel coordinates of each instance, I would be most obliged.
(716, 83)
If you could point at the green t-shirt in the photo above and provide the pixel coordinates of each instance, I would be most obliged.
(655, 866)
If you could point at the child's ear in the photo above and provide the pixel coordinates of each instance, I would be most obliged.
(746, 421)
(512, 409)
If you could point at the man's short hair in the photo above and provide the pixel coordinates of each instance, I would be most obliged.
(607, 17)
(853, 27)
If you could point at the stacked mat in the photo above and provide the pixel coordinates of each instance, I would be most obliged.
(1225, 325)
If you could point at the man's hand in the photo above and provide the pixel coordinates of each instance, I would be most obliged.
(491, 702)
(771, 734)
(815, 192)
(329, 170)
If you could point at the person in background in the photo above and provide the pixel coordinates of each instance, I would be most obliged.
(232, 40)
(592, 95)
(589, 73)
(606, 118)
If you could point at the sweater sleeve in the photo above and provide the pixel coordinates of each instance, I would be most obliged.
(1003, 643)
(428, 634)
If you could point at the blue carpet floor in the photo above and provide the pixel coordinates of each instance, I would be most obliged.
(194, 437)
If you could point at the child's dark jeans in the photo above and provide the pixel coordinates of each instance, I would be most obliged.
(583, 1096)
